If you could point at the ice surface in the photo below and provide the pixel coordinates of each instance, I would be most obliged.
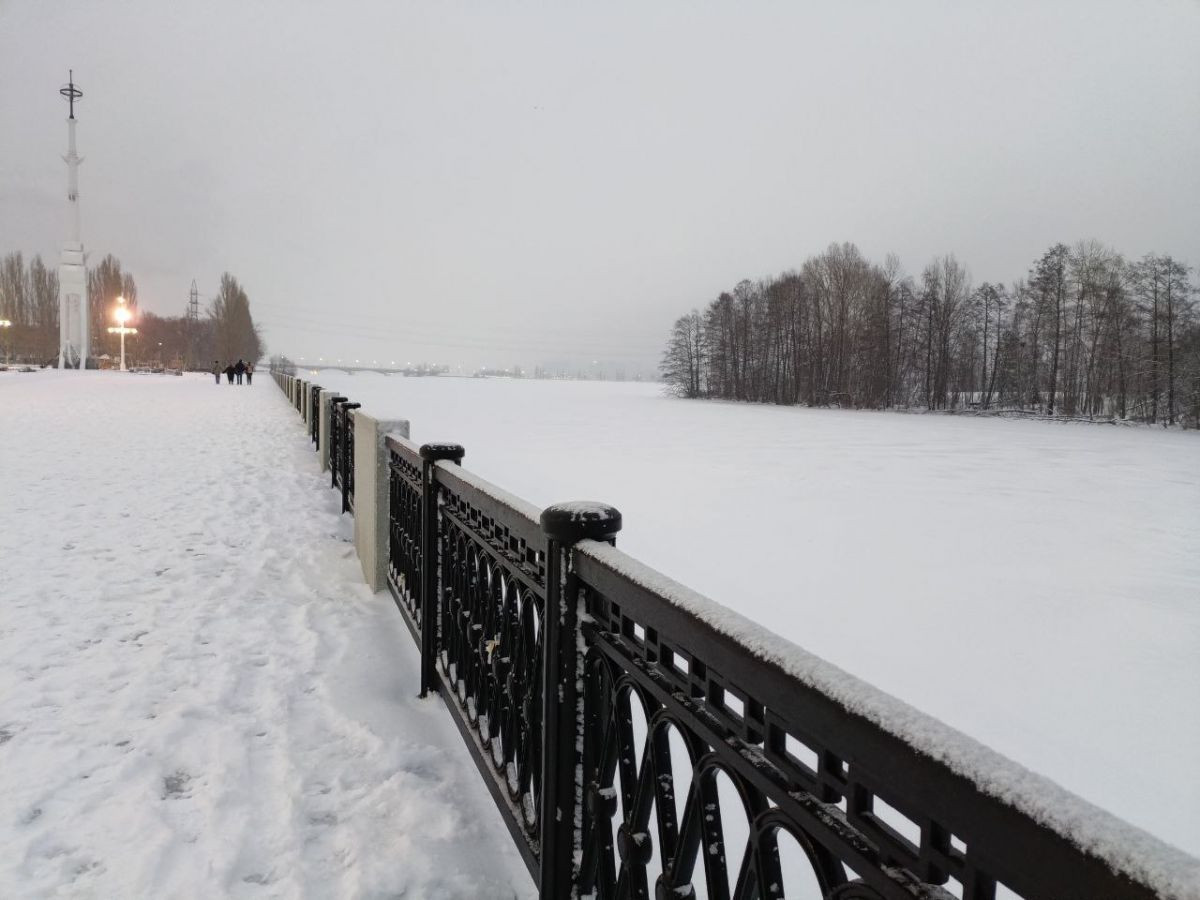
(1034, 585)
(198, 695)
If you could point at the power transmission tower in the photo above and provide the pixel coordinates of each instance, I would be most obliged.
(191, 323)
(193, 307)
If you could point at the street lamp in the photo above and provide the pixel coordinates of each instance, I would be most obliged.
(6, 324)
(122, 315)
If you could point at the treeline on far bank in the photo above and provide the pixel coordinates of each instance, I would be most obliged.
(224, 329)
(1085, 333)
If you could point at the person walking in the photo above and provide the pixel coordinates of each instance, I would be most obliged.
(216, 370)
(239, 370)
(229, 374)
(249, 373)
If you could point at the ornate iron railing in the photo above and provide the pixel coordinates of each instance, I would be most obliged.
(341, 448)
(641, 741)
(346, 480)
(637, 748)
(477, 615)
(335, 440)
(872, 815)
(405, 529)
(314, 414)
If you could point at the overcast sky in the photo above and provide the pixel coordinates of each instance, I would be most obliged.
(495, 183)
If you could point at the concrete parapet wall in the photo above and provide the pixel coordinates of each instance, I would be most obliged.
(371, 494)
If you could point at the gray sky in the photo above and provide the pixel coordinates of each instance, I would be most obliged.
(521, 183)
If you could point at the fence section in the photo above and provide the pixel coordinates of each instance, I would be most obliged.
(314, 414)
(641, 741)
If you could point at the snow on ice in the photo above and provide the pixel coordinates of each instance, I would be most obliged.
(1034, 585)
(199, 697)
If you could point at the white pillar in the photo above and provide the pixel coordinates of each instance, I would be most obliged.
(371, 494)
(74, 332)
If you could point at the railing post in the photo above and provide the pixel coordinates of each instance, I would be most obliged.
(430, 562)
(565, 524)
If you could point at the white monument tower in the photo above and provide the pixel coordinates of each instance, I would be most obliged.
(73, 338)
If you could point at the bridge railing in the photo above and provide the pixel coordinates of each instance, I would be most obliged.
(640, 740)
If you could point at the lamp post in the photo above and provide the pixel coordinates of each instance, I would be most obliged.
(6, 324)
(122, 316)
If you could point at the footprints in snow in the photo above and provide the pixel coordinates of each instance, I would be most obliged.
(176, 785)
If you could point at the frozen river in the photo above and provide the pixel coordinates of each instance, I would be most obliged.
(1036, 585)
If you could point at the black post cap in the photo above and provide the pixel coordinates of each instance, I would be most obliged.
(434, 452)
(579, 519)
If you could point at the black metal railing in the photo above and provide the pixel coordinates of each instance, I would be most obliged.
(347, 477)
(335, 440)
(341, 448)
(642, 742)
(873, 815)
(635, 749)
(314, 414)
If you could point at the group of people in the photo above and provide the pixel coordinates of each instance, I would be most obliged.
(233, 371)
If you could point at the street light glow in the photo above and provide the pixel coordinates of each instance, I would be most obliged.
(122, 315)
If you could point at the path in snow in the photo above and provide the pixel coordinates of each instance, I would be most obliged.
(198, 695)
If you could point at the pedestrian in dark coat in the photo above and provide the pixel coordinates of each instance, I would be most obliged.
(216, 370)
(249, 373)
(239, 370)
(229, 373)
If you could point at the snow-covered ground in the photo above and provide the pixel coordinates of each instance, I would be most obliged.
(1035, 585)
(199, 698)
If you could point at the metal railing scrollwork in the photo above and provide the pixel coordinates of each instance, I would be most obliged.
(636, 749)
(314, 414)
(640, 741)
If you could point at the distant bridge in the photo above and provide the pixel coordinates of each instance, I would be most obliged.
(384, 370)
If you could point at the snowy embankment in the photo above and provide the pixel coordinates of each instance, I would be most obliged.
(1035, 585)
(198, 695)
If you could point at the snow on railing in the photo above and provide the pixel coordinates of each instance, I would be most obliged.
(638, 737)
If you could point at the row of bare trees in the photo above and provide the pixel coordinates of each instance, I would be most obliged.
(1085, 333)
(29, 299)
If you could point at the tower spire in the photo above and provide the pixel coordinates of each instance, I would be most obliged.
(71, 92)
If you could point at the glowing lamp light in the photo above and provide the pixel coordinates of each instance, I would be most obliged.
(122, 315)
